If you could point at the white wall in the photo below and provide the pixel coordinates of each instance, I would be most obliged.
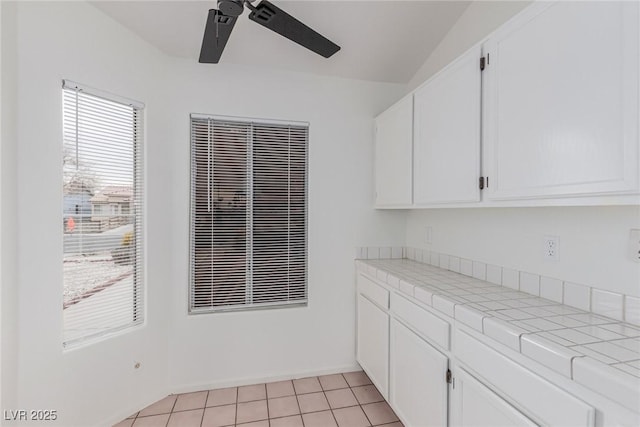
(477, 21)
(593, 240)
(97, 383)
(220, 349)
(8, 214)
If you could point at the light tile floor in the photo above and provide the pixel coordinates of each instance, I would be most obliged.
(340, 400)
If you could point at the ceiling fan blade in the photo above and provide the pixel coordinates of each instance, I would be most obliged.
(216, 34)
(276, 19)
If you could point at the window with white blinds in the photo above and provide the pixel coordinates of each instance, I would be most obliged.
(248, 214)
(102, 171)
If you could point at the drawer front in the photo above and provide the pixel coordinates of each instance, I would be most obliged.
(543, 400)
(431, 327)
(375, 293)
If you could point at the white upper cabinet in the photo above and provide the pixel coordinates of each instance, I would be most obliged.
(446, 160)
(561, 102)
(393, 146)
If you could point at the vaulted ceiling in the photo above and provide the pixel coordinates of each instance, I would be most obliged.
(384, 41)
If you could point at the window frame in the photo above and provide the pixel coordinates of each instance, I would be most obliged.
(139, 172)
(191, 266)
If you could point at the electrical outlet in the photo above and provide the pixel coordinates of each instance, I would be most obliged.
(634, 244)
(428, 235)
(551, 247)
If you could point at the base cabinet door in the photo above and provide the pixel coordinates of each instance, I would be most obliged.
(418, 389)
(373, 343)
(474, 404)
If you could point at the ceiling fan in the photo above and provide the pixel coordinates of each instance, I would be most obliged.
(221, 21)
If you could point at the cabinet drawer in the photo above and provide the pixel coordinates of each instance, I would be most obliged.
(547, 403)
(431, 327)
(375, 293)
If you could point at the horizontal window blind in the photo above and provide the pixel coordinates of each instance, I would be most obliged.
(248, 214)
(102, 214)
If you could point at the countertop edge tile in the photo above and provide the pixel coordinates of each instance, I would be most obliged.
(393, 281)
(548, 353)
(470, 317)
(406, 287)
(503, 332)
(607, 381)
(444, 305)
(423, 295)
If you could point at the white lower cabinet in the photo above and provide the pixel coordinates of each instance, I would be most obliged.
(474, 404)
(544, 401)
(405, 349)
(373, 343)
(418, 389)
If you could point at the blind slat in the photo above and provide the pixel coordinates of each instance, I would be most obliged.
(102, 215)
(248, 214)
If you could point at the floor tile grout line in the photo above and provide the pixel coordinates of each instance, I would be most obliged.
(267, 403)
(171, 412)
(299, 410)
(296, 394)
(332, 413)
(205, 408)
(365, 415)
(235, 416)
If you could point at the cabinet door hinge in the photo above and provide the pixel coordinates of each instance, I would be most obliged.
(448, 378)
(482, 63)
(481, 183)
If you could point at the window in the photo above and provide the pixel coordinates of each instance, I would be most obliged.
(248, 214)
(102, 171)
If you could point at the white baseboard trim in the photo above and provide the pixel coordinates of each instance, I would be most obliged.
(235, 382)
(135, 407)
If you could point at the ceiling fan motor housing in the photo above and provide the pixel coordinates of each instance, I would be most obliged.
(231, 7)
(220, 23)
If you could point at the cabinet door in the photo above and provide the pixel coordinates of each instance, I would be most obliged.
(447, 134)
(473, 404)
(417, 386)
(393, 146)
(561, 101)
(373, 343)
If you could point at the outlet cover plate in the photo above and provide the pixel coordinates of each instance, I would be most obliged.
(634, 244)
(428, 235)
(551, 248)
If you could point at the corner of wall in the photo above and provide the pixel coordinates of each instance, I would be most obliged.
(477, 22)
(8, 214)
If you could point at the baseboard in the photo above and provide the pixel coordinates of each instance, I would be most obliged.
(132, 409)
(188, 388)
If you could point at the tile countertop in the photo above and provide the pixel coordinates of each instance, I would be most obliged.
(600, 353)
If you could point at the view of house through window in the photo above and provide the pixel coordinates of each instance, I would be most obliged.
(102, 213)
(248, 214)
